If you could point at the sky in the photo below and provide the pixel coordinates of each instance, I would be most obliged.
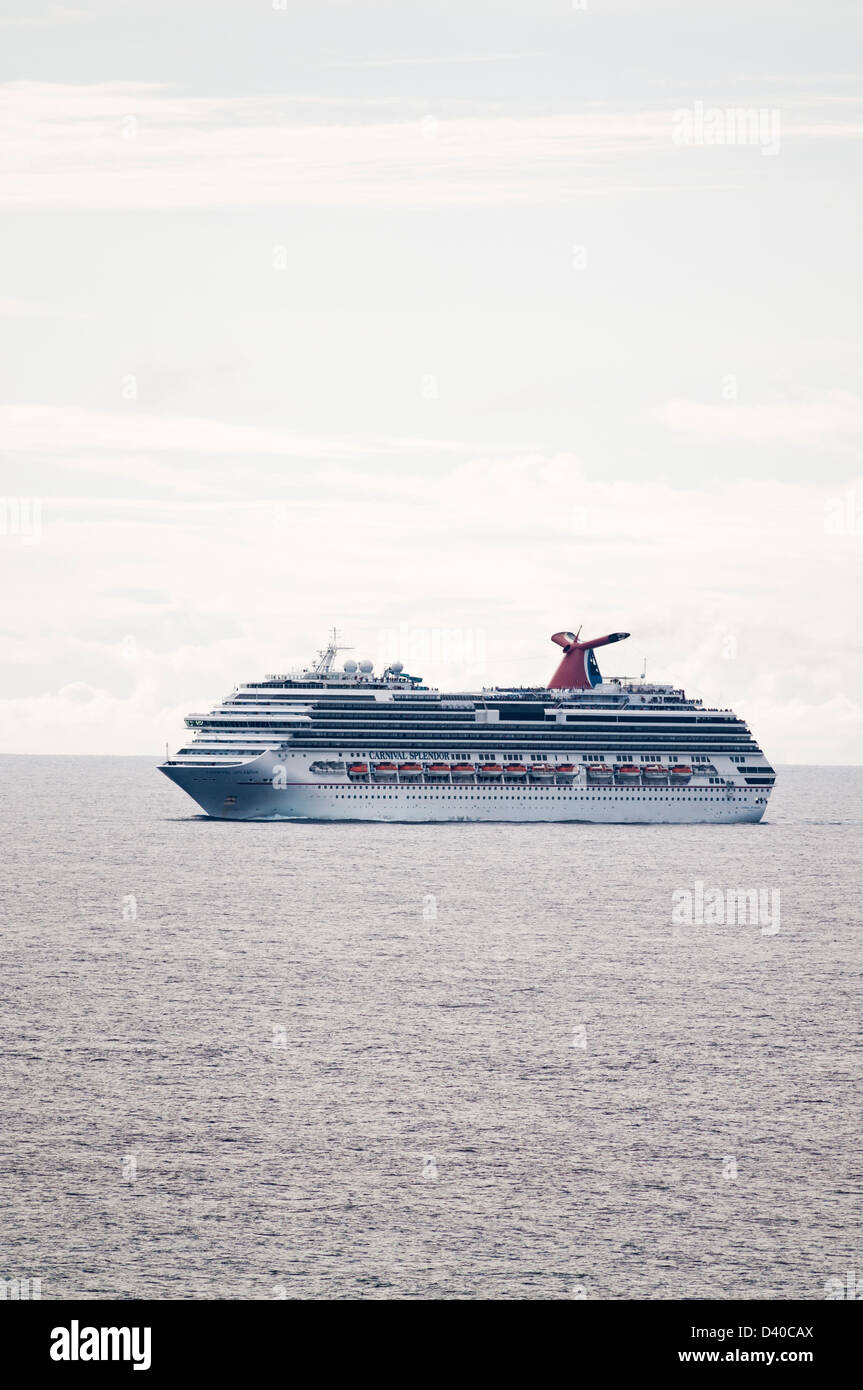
(449, 325)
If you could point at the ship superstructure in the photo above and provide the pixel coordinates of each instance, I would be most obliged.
(324, 744)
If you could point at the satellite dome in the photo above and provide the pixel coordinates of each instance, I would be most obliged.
(396, 667)
(350, 667)
(367, 667)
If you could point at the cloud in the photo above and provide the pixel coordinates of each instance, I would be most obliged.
(426, 60)
(87, 719)
(25, 309)
(52, 16)
(136, 145)
(41, 427)
(793, 422)
(510, 547)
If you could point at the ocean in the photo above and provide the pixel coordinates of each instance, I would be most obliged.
(265, 1061)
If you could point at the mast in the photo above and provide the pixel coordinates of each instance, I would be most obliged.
(324, 664)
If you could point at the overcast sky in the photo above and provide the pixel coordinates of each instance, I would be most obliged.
(451, 324)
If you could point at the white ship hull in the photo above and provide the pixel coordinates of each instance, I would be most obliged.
(266, 789)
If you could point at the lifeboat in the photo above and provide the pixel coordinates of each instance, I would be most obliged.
(385, 772)
(600, 774)
(438, 772)
(515, 770)
(541, 772)
(654, 774)
(680, 774)
(408, 772)
(565, 772)
(490, 770)
(627, 773)
(462, 772)
(358, 771)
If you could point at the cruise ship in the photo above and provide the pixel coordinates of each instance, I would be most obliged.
(325, 744)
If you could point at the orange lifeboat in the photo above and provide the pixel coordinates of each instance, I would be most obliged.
(490, 770)
(462, 772)
(437, 771)
(654, 774)
(680, 774)
(541, 772)
(357, 770)
(408, 771)
(627, 773)
(385, 772)
(599, 773)
(515, 769)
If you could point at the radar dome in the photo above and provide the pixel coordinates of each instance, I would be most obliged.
(367, 667)
(396, 667)
(350, 668)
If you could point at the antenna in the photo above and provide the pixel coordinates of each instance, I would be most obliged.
(644, 669)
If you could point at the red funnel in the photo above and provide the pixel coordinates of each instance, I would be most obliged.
(578, 669)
